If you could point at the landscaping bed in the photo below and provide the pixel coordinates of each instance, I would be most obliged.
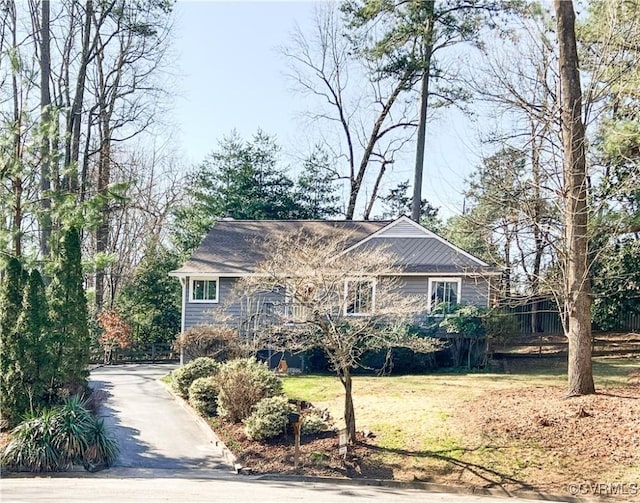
(513, 431)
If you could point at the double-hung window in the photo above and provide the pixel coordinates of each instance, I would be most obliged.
(444, 293)
(359, 297)
(204, 290)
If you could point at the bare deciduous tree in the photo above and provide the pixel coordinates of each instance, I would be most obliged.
(371, 119)
(344, 302)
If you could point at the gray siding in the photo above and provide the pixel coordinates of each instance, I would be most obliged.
(204, 313)
(233, 311)
(474, 291)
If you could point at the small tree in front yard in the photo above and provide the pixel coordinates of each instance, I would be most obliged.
(346, 303)
(116, 333)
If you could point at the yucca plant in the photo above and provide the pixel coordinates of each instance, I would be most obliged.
(72, 431)
(103, 448)
(31, 448)
(59, 438)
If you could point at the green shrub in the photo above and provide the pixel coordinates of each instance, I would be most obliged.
(500, 325)
(242, 383)
(184, 376)
(269, 419)
(59, 438)
(203, 395)
(312, 424)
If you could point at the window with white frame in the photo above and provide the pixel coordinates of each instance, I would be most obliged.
(204, 290)
(359, 297)
(444, 293)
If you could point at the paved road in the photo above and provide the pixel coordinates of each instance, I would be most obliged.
(194, 490)
(153, 430)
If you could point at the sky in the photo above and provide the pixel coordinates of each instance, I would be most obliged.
(231, 76)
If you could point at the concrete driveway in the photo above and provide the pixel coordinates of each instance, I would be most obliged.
(154, 431)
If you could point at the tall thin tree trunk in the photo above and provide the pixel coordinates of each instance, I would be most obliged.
(16, 181)
(102, 231)
(72, 153)
(416, 202)
(577, 283)
(45, 118)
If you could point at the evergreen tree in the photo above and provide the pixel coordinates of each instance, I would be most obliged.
(68, 314)
(33, 360)
(397, 202)
(150, 301)
(240, 179)
(316, 192)
(11, 291)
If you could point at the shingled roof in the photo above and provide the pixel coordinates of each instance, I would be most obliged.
(236, 247)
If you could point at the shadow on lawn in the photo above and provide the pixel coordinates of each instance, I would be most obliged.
(491, 477)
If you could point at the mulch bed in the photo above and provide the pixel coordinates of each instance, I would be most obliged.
(319, 454)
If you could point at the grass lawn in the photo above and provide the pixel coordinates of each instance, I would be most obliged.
(512, 429)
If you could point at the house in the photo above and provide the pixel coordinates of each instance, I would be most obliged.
(432, 267)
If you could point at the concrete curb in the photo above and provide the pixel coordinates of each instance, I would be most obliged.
(227, 455)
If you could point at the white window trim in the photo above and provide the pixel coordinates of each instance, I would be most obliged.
(204, 278)
(374, 284)
(447, 279)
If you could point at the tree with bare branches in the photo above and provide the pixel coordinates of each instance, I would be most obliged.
(367, 121)
(343, 302)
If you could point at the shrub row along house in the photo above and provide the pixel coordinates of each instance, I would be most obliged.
(219, 280)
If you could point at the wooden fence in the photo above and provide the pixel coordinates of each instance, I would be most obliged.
(144, 353)
(541, 316)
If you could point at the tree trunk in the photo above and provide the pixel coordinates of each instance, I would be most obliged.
(16, 182)
(416, 203)
(349, 413)
(577, 287)
(72, 150)
(45, 118)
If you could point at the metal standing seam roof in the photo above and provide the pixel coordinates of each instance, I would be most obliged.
(428, 255)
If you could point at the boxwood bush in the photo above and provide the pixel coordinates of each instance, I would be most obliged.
(242, 383)
(312, 424)
(203, 395)
(183, 377)
(269, 418)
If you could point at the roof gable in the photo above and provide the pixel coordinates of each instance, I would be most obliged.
(404, 229)
(236, 247)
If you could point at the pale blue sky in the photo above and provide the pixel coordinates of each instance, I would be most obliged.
(232, 77)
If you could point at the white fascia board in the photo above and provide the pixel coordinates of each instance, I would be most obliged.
(208, 274)
(453, 274)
